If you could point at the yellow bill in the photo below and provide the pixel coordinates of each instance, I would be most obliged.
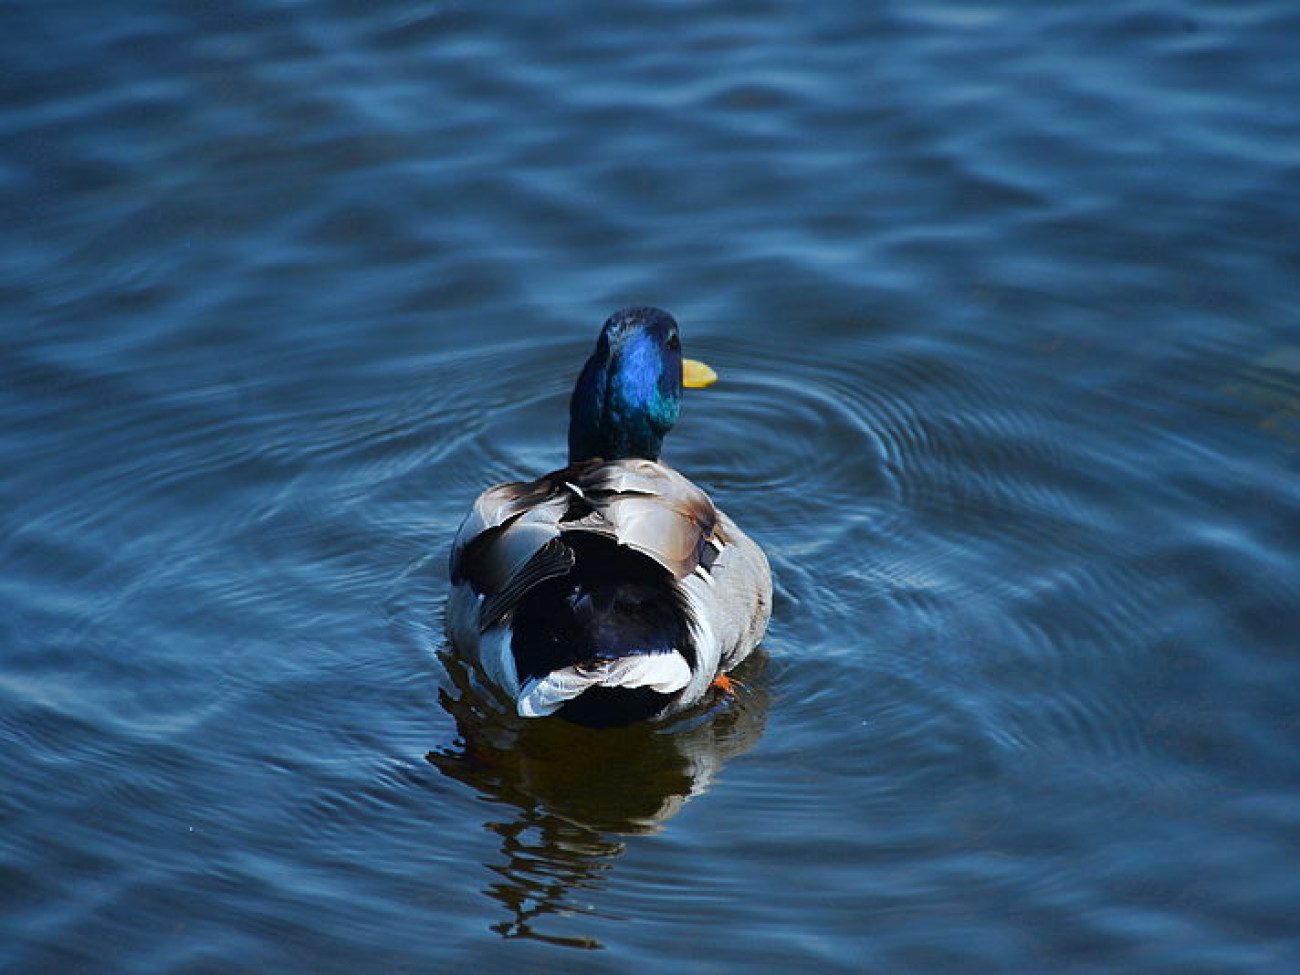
(696, 375)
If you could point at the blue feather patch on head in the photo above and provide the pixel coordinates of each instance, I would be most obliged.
(629, 393)
(639, 383)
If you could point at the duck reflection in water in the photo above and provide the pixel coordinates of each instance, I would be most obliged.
(570, 798)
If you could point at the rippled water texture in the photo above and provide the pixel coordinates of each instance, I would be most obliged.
(1003, 298)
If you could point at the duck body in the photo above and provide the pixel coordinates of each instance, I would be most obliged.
(612, 590)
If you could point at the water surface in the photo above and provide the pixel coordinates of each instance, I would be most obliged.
(1003, 301)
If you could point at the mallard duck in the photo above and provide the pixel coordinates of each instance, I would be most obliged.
(612, 590)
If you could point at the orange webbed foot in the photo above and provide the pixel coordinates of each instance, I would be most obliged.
(725, 685)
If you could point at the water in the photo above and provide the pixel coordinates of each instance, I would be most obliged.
(1003, 301)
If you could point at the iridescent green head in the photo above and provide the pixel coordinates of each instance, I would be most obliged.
(629, 393)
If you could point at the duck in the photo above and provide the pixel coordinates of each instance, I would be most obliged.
(613, 590)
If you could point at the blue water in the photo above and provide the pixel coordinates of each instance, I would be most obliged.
(1003, 298)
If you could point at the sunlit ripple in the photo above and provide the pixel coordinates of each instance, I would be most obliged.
(957, 520)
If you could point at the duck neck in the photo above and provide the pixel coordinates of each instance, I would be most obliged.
(622, 408)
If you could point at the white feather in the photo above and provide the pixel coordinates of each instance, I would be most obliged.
(662, 672)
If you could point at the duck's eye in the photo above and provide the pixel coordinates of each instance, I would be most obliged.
(674, 342)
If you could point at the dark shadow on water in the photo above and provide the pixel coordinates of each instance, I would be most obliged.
(566, 801)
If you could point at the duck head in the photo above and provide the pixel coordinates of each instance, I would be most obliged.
(628, 395)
